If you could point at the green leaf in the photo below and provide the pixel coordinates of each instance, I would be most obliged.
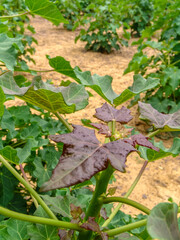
(47, 10)
(151, 155)
(9, 85)
(8, 184)
(62, 66)
(42, 173)
(140, 84)
(172, 74)
(2, 100)
(54, 99)
(175, 149)
(17, 229)
(8, 52)
(21, 114)
(59, 205)
(126, 236)
(7, 121)
(10, 154)
(32, 130)
(162, 222)
(101, 85)
(42, 232)
(25, 152)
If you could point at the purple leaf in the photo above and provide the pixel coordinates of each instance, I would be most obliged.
(165, 122)
(143, 141)
(103, 129)
(65, 235)
(75, 211)
(107, 113)
(92, 225)
(83, 156)
(103, 213)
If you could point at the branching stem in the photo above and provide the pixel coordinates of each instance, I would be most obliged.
(126, 228)
(126, 201)
(95, 204)
(132, 186)
(126, 195)
(41, 220)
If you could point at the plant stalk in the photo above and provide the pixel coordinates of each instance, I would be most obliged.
(126, 228)
(28, 187)
(96, 204)
(16, 15)
(41, 220)
(150, 135)
(132, 186)
(128, 202)
(66, 124)
(105, 224)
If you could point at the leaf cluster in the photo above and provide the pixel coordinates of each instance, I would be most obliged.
(67, 168)
(164, 61)
(72, 11)
(13, 29)
(16, 46)
(101, 26)
(138, 15)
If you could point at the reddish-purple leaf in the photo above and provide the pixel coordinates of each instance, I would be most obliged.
(143, 141)
(103, 213)
(65, 235)
(103, 129)
(165, 122)
(107, 113)
(75, 211)
(92, 225)
(83, 156)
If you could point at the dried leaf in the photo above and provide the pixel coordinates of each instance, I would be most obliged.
(107, 113)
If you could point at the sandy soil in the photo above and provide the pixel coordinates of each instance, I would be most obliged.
(161, 178)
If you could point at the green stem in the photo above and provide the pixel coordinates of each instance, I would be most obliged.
(25, 177)
(113, 128)
(33, 70)
(126, 201)
(66, 124)
(41, 220)
(126, 228)
(126, 195)
(95, 204)
(132, 186)
(150, 135)
(16, 15)
(28, 187)
(17, 144)
(101, 187)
